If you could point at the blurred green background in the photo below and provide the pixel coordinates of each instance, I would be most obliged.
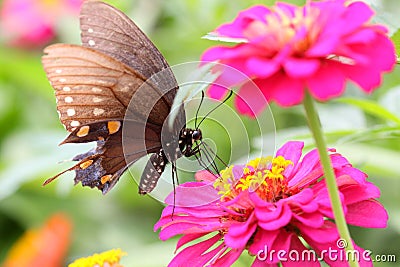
(366, 129)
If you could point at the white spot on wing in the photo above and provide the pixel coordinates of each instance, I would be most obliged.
(91, 43)
(75, 123)
(98, 111)
(125, 89)
(97, 99)
(71, 112)
(96, 90)
(62, 80)
(58, 71)
(68, 99)
(67, 89)
(90, 30)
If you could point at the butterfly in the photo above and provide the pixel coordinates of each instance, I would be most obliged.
(95, 84)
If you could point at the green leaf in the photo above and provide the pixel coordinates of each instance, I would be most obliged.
(371, 108)
(396, 40)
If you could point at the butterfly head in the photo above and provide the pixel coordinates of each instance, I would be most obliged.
(196, 135)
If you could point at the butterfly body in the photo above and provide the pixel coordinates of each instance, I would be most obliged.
(157, 162)
(116, 90)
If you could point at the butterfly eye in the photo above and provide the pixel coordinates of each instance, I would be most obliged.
(196, 135)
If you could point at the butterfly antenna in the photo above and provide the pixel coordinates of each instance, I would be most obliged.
(203, 164)
(209, 157)
(198, 109)
(206, 146)
(220, 104)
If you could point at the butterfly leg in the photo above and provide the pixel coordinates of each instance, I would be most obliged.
(174, 174)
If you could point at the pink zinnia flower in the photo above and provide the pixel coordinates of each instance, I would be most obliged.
(269, 204)
(31, 23)
(287, 50)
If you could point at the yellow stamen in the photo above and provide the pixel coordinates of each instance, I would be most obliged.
(262, 175)
(111, 257)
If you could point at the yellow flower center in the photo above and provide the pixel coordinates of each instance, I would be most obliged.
(281, 28)
(261, 175)
(107, 258)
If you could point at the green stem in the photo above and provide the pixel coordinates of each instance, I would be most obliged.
(316, 129)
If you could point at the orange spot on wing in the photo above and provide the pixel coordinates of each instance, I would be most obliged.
(104, 179)
(85, 164)
(83, 131)
(113, 126)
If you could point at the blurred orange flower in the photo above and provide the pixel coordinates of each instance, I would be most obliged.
(44, 247)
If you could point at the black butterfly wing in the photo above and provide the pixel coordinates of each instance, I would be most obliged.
(108, 30)
(92, 95)
(94, 86)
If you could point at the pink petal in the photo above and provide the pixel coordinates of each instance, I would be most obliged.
(244, 18)
(216, 91)
(228, 54)
(310, 160)
(259, 263)
(297, 246)
(354, 173)
(356, 14)
(305, 196)
(292, 151)
(368, 213)
(310, 219)
(188, 238)
(363, 260)
(361, 36)
(300, 68)
(328, 82)
(274, 219)
(186, 228)
(262, 67)
(325, 45)
(193, 254)
(229, 258)
(325, 234)
(326, 247)
(382, 58)
(192, 194)
(204, 176)
(282, 89)
(281, 241)
(263, 240)
(239, 233)
(288, 9)
(250, 100)
(355, 192)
